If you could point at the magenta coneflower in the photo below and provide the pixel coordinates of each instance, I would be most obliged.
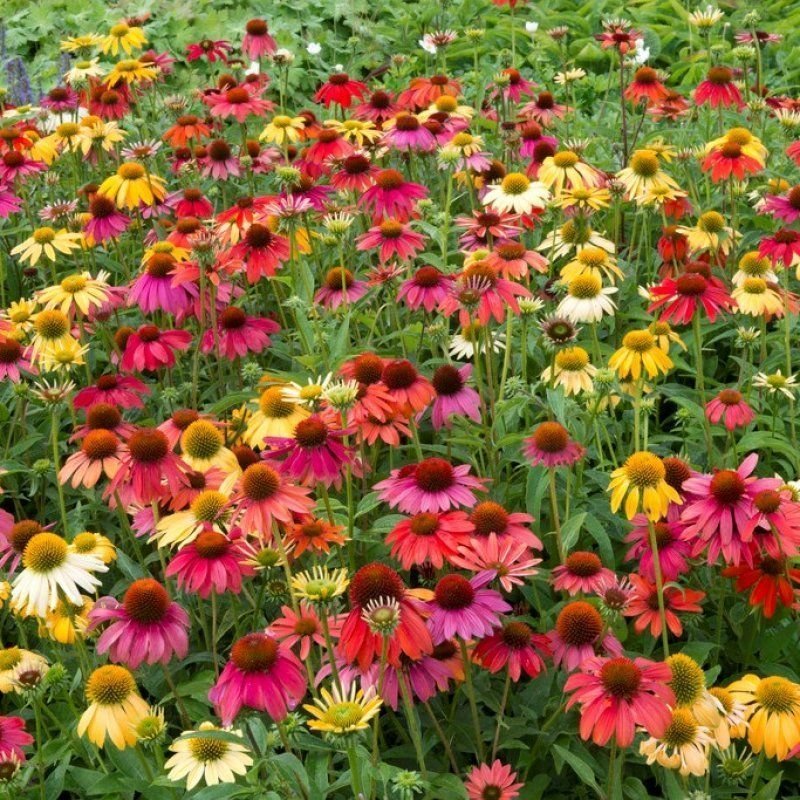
(719, 507)
(551, 446)
(579, 634)
(9, 202)
(431, 485)
(257, 41)
(673, 551)
(453, 397)
(262, 675)
(425, 677)
(581, 573)
(155, 290)
(377, 108)
(220, 162)
(406, 133)
(15, 164)
(106, 221)
(340, 89)
(125, 391)
(340, 287)
(392, 239)
(331, 147)
(544, 109)
(783, 247)
(496, 781)
(618, 694)
(316, 453)
(210, 49)
(212, 562)
(512, 562)
(13, 737)
(376, 582)
(14, 360)
(391, 196)
(429, 538)
(680, 298)
(238, 102)
(514, 647)
(730, 408)
(774, 523)
(785, 207)
(407, 388)
(239, 334)
(261, 251)
(531, 134)
(426, 288)
(263, 494)
(148, 469)
(465, 608)
(146, 627)
(98, 456)
(150, 348)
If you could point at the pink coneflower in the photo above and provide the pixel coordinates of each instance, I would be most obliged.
(376, 582)
(517, 86)
(465, 608)
(581, 572)
(103, 417)
(9, 202)
(257, 41)
(489, 517)
(14, 360)
(453, 397)
(340, 287)
(340, 89)
(483, 228)
(238, 334)
(774, 523)
(13, 737)
(422, 91)
(212, 562)
(155, 290)
(210, 49)
(531, 136)
(60, 99)
(785, 207)
(149, 348)
(377, 108)
(220, 163)
(544, 109)
(98, 456)
(426, 288)
(718, 89)
(515, 647)
(407, 388)
(238, 102)
(406, 133)
(496, 781)
(730, 408)
(643, 604)
(316, 453)
(673, 552)
(146, 627)
(619, 36)
(262, 675)
(680, 298)
(261, 251)
(392, 239)
(354, 174)
(551, 446)
(512, 260)
(302, 629)
(431, 485)
(391, 196)
(15, 164)
(424, 677)
(105, 220)
(577, 636)
(618, 694)
(263, 495)
(718, 510)
(124, 391)
(429, 538)
(783, 247)
(148, 469)
(510, 561)
(646, 86)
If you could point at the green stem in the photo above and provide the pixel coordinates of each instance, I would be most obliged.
(473, 705)
(659, 586)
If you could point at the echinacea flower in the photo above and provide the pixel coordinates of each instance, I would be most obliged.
(212, 562)
(730, 408)
(496, 780)
(640, 354)
(641, 483)
(684, 745)
(518, 194)
(338, 712)
(257, 41)
(115, 707)
(551, 446)
(618, 694)
(643, 605)
(718, 89)
(428, 538)
(581, 572)
(340, 89)
(511, 561)
(392, 239)
(213, 760)
(391, 196)
(465, 608)
(515, 647)
(587, 300)
(48, 242)
(646, 86)
(262, 675)
(340, 287)
(132, 186)
(679, 299)
(579, 634)
(644, 174)
(571, 370)
(772, 583)
(13, 737)
(453, 397)
(151, 348)
(673, 551)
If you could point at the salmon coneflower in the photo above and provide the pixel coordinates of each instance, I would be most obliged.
(429, 538)
(581, 573)
(146, 627)
(551, 446)
(406, 387)
(579, 634)
(98, 456)
(618, 694)
(496, 781)
(425, 289)
(774, 523)
(643, 604)
(257, 41)
(429, 486)
(718, 89)
(515, 647)
(730, 408)
(302, 629)
(392, 239)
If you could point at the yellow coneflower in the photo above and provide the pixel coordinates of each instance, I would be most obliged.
(643, 174)
(641, 483)
(565, 169)
(51, 329)
(320, 584)
(592, 197)
(587, 300)
(343, 713)
(65, 136)
(356, 131)
(753, 265)
(572, 370)
(772, 709)
(734, 718)
(684, 746)
(95, 131)
(21, 313)
(48, 242)
(129, 71)
(709, 233)
(131, 185)
(665, 336)
(115, 707)
(67, 621)
(658, 195)
(755, 297)
(88, 41)
(706, 17)
(123, 36)
(593, 261)
(688, 684)
(44, 148)
(203, 447)
(283, 129)
(80, 291)
(640, 351)
(213, 759)
(275, 417)
(63, 356)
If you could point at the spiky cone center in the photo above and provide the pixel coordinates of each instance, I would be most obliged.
(447, 380)
(208, 505)
(644, 470)
(565, 159)
(131, 171)
(727, 487)
(777, 695)
(639, 341)
(205, 749)
(232, 318)
(572, 359)
(551, 437)
(52, 324)
(719, 76)
(516, 635)
(691, 284)
(10, 350)
(644, 163)
(711, 222)
(730, 397)
(202, 440)
(515, 183)
(260, 482)
(44, 552)
(424, 524)
(146, 601)
(621, 677)
(489, 517)
(579, 624)
(688, 682)
(273, 405)
(103, 416)
(255, 652)
(682, 730)
(110, 685)
(454, 592)
(148, 445)
(388, 179)
(646, 76)
(338, 278)
(755, 265)
(677, 471)
(22, 532)
(585, 287)
(211, 544)
(310, 433)
(100, 444)
(434, 475)
(583, 564)
(373, 582)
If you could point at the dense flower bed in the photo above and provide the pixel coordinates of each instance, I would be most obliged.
(428, 435)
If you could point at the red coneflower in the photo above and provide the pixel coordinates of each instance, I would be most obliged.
(772, 582)
(729, 160)
(340, 89)
(515, 647)
(187, 129)
(646, 86)
(680, 298)
(210, 49)
(718, 89)
(260, 251)
(429, 538)
(392, 239)
(783, 247)
(125, 391)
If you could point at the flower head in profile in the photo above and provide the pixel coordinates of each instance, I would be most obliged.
(580, 633)
(551, 446)
(496, 780)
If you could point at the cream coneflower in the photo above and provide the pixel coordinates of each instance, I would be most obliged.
(587, 300)
(641, 483)
(52, 570)
(642, 174)
(594, 261)
(733, 724)
(342, 713)
(320, 584)
(80, 291)
(203, 447)
(183, 527)
(573, 236)
(276, 417)
(572, 370)
(753, 265)
(684, 746)
(709, 233)
(214, 759)
(48, 242)
(776, 383)
(688, 684)
(518, 194)
(566, 170)
(755, 297)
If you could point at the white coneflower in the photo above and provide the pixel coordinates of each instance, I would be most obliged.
(216, 758)
(51, 570)
(776, 383)
(463, 345)
(705, 18)
(517, 193)
(309, 394)
(587, 300)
